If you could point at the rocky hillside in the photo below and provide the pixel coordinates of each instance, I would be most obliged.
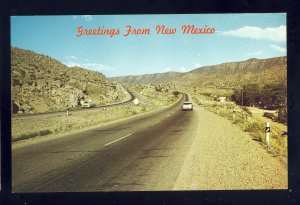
(226, 75)
(148, 78)
(40, 83)
(230, 75)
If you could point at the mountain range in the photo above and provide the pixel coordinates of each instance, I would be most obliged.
(226, 75)
(40, 83)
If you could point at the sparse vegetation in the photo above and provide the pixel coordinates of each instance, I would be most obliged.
(44, 132)
(282, 115)
(270, 115)
(31, 134)
(157, 95)
(246, 110)
(243, 119)
(63, 124)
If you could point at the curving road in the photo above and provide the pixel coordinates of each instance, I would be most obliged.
(129, 155)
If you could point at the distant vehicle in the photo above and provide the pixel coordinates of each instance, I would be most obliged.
(187, 106)
(88, 105)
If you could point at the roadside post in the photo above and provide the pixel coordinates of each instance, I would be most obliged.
(268, 130)
(67, 112)
(233, 114)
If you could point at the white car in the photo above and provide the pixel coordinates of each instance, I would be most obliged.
(187, 106)
(88, 105)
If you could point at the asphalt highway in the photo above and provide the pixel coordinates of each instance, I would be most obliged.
(142, 153)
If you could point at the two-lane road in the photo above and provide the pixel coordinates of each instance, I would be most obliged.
(141, 153)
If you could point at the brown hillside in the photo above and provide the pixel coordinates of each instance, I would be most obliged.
(40, 83)
(230, 75)
(226, 75)
(156, 78)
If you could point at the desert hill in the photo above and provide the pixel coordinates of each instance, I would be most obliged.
(230, 75)
(226, 75)
(148, 78)
(40, 83)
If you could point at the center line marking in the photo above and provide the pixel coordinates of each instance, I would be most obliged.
(107, 144)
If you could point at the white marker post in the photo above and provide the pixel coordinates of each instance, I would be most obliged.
(67, 112)
(268, 130)
(233, 114)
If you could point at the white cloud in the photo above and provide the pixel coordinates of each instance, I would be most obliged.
(184, 69)
(91, 66)
(271, 33)
(278, 48)
(71, 58)
(255, 53)
(197, 65)
(168, 69)
(73, 61)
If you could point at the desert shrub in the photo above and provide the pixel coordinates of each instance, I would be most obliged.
(25, 136)
(238, 119)
(206, 94)
(253, 127)
(246, 110)
(176, 93)
(44, 132)
(270, 115)
(134, 112)
(282, 115)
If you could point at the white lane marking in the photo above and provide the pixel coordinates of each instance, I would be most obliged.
(109, 143)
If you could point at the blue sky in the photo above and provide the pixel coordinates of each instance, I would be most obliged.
(237, 37)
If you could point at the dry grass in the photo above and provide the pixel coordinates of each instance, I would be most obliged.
(40, 126)
(25, 128)
(278, 142)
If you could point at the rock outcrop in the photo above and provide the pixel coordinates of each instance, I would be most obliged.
(40, 83)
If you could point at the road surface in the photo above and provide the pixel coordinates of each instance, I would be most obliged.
(166, 150)
(107, 158)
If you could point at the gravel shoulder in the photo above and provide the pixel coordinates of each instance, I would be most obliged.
(223, 157)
